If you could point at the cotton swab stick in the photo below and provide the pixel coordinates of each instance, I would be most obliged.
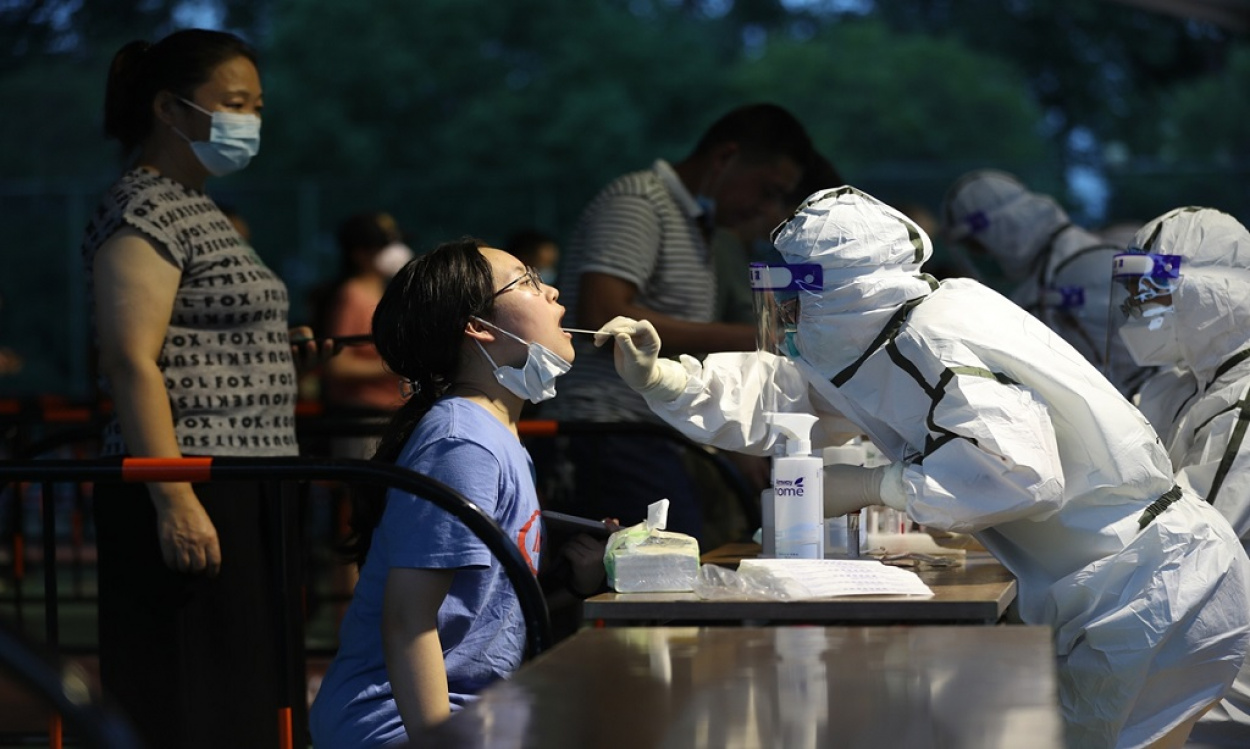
(578, 330)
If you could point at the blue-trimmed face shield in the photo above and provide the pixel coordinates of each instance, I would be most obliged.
(1142, 280)
(1141, 311)
(778, 291)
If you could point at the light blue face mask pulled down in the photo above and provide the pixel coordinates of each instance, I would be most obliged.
(233, 140)
(536, 379)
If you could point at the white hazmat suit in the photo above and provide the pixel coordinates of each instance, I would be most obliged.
(1060, 268)
(1163, 396)
(1206, 438)
(998, 428)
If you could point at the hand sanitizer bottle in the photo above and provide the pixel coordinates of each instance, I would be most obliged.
(798, 490)
(768, 504)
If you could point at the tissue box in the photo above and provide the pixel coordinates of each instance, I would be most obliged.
(639, 560)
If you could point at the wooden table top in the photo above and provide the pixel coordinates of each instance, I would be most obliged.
(917, 687)
(977, 592)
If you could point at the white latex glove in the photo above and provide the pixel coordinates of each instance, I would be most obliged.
(852, 488)
(637, 358)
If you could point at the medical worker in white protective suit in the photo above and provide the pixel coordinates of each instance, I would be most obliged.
(1198, 319)
(1164, 395)
(996, 427)
(1060, 269)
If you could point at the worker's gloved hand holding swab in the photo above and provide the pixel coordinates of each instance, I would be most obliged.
(637, 358)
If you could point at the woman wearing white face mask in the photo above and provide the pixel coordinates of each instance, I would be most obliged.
(356, 384)
(193, 344)
(432, 621)
(1188, 306)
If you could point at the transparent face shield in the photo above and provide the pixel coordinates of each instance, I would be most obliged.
(793, 506)
(1140, 313)
(776, 291)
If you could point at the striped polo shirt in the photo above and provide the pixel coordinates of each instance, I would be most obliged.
(642, 228)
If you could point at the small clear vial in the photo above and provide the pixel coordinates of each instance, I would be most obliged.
(842, 534)
(842, 537)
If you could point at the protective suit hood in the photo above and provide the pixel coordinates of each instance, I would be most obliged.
(1212, 297)
(870, 254)
(1000, 213)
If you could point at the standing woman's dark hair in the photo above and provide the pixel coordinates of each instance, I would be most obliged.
(418, 328)
(179, 63)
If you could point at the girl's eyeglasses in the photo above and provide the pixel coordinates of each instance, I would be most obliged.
(529, 278)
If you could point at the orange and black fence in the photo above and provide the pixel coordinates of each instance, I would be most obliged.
(276, 470)
(40, 425)
(51, 427)
(52, 443)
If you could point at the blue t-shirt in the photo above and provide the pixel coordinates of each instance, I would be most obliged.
(480, 623)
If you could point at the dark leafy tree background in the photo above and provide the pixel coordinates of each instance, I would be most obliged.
(481, 117)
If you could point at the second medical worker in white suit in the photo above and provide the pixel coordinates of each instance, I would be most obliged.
(995, 427)
(1200, 322)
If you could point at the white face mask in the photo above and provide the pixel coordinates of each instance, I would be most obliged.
(1151, 339)
(392, 258)
(536, 380)
(233, 140)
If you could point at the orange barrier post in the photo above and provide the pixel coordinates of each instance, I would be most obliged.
(538, 428)
(285, 738)
(167, 469)
(19, 554)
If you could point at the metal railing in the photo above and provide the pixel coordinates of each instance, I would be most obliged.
(48, 472)
(77, 421)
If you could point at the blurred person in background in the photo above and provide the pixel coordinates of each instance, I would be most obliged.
(735, 247)
(355, 387)
(356, 382)
(194, 351)
(642, 248)
(1059, 268)
(538, 250)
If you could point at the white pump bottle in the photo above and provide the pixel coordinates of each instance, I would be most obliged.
(798, 490)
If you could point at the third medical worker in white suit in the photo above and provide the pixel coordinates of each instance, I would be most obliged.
(1061, 268)
(1200, 322)
(998, 428)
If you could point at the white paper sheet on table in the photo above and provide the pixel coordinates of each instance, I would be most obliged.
(830, 578)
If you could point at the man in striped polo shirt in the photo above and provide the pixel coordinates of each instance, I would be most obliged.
(641, 249)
